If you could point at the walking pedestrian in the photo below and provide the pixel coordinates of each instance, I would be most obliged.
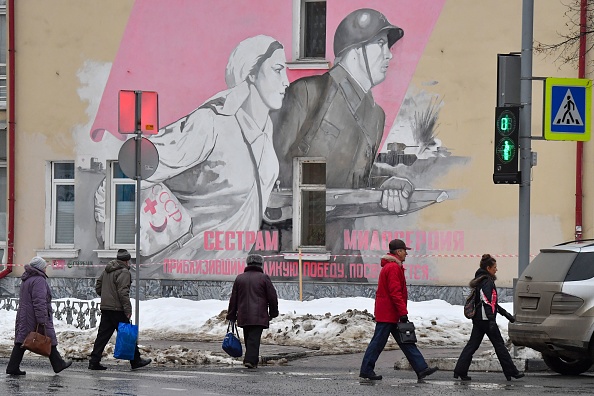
(253, 304)
(113, 285)
(484, 322)
(35, 314)
(390, 308)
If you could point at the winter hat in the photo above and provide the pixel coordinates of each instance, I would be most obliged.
(123, 255)
(254, 259)
(38, 262)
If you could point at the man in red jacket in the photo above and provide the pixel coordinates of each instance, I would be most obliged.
(390, 308)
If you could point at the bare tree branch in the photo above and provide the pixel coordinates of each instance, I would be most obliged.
(567, 50)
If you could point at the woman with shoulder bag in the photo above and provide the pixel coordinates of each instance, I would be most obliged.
(34, 314)
(484, 322)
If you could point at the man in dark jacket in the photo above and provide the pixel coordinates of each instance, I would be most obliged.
(113, 285)
(253, 304)
(390, 308)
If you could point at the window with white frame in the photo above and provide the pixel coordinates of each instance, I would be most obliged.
(3, 52)
(309, 198)
(309, 30)
(121, 209)
(62, 215)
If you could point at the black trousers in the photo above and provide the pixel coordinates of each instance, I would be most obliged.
(251, 337)
(109, 324)
(479, 329)
(16, 357)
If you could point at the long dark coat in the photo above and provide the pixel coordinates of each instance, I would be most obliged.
(35, 306)
(253, 300)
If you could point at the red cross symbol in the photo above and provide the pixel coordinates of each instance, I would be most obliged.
(150, 205)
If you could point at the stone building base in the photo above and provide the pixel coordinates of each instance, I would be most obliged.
(84, 289)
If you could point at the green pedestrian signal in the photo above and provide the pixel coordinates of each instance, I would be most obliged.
(506, 150)
(506, 145)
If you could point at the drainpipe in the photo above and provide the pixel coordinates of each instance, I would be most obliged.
(579, 198)
(10, 99)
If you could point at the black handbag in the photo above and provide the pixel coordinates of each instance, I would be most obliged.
(406, 333)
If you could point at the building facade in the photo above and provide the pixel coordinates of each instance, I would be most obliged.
(311, 132)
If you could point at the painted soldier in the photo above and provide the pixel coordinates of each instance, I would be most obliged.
(335, 116)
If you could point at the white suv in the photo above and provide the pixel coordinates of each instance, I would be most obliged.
(554, 307)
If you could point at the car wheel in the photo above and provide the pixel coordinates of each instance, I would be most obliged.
(567, 366)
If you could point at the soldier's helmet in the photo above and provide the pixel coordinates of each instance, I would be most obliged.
(360, 27)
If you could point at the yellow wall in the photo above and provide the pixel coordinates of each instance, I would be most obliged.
(57, 41)
(54, 40)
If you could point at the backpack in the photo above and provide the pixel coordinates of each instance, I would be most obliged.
(470, 304)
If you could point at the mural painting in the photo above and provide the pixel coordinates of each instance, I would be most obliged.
(226, 178)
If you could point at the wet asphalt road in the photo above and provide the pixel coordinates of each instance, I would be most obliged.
(321, 375)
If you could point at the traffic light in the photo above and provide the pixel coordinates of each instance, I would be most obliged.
(506, 149)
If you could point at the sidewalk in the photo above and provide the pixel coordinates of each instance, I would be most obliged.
(442, 357)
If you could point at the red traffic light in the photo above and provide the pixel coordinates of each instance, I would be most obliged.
(148, 119)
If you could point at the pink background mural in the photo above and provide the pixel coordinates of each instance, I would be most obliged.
(181, 51)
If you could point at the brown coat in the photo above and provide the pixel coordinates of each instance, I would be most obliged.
(253, 299)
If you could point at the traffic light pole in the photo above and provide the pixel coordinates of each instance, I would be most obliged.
(525, 135)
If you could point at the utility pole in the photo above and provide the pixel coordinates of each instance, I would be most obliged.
(525, 135)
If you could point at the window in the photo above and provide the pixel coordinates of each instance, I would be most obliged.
(3, 52)
(314, 29)
(122, 209)
(309, 229)
(62, 215)
(309, 33)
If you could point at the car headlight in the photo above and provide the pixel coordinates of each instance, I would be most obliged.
(563, 303)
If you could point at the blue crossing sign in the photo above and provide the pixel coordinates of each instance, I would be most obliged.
(567, 109)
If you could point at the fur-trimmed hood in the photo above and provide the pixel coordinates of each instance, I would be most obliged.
(390, 258)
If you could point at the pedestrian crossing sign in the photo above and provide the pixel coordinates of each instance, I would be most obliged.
(567, 109)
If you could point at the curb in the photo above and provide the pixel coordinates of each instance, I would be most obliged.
(486, 365)
(264, 359)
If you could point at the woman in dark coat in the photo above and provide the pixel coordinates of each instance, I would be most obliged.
(484, 322)
(253, 303)
(34, 314)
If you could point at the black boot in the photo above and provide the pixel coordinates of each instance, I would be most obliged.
(14, 363)
(139, 363)
(58, 364)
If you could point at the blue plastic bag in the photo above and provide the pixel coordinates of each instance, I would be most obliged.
(126, 341)
(231, 343)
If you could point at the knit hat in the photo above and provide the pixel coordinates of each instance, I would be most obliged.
(38, 262)
(254, 259)
(123, 255)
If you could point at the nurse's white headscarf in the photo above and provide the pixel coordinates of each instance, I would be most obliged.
(244, 61)
(246, 55)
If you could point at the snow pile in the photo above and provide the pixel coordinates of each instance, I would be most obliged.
(325, 326)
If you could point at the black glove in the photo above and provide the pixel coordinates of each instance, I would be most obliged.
(404, 319)
(509, 316)
(506, 314)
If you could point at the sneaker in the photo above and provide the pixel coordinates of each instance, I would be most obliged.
(140, 363)
(427, 372)
(15, 372)
(96, 366)
(372, 376)
(250, 365)
(65, 365)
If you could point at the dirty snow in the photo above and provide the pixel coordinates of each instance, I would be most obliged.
(326, 326)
